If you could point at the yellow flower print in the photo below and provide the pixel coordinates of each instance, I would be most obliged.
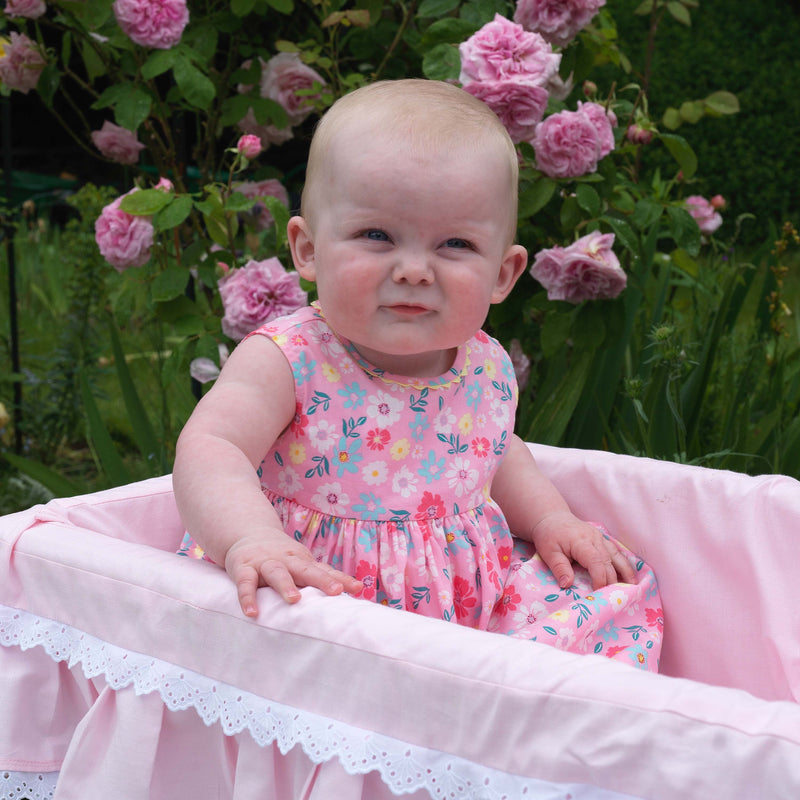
(490, 369)
(297, 453)
(330, 373)
(562, 615)
(465, 424)
(280, 339)
(400, 449)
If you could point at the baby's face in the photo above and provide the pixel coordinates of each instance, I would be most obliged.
(411, 248)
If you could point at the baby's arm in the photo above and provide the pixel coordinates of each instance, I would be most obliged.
(218, 491)
(536, 512)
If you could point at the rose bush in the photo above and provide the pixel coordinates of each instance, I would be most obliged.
(207, 92)
(704, 213)
(32, 9)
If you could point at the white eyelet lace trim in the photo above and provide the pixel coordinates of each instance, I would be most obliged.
(28, 785)
(403, 767)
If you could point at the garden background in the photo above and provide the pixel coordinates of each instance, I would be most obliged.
(695, 359)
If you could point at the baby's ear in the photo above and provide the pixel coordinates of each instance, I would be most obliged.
(513, 265)
(301, 244)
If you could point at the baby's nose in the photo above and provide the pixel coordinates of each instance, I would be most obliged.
(413, 268)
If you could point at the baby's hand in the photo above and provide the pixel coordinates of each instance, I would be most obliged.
(283, 564)
(561, 538)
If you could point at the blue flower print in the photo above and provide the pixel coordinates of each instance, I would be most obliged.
(355, 395)
(474, 395)
(347, 455)
(431, 468)
(418, 426)
(371, 508)
(368, 535)
(303, 369)
(609, 632)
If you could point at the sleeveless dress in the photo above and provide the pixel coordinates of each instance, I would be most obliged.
(387, 478)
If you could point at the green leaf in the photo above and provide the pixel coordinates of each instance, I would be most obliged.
(237, 203)
(645, 8)
(442, 63)
(535, 196)
(447, 31)
(672, 119)
(282, 6)
(48, 83)
(722, 103)
(588, 199)
(241, 8)
(145, 202)
(647, 213)
(624, 233)
(106, 453)
(196, 88)
(679, 12)
(436, 8)
(143, 433)
(684, 229)
(132, 108)
(280, 215)
(268, 111)
(56, 483)
(158, 62)
(684, 262)
(555, 332)
(169, 284)
(92, 63)
(682, 152)
(173, 214)
(692, 111)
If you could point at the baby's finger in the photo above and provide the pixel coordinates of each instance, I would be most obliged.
(622, 565)
(277, 575)
(246, 584)
(326, 578)
(560, 566)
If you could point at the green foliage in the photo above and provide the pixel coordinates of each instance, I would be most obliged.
(694, 361)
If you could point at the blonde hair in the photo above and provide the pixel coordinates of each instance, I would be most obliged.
(430, 115)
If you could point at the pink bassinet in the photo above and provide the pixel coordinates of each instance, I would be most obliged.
(129, 673)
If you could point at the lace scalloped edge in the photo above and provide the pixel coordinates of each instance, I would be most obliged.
(403, 767)
(28, 785)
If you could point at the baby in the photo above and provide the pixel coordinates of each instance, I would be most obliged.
(364, 444)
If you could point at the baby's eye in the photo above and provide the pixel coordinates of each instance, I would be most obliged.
(376, 235)
(460, 244)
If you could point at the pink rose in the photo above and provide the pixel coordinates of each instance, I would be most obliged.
(604, 121)
(249, 146)
(32, 9)
(118, 144)
(152, 23)
(257, 189)
(567, 145)
(282, 77)
(502, 50)
(124, 239)
(558, 21)
(165, 184)
(706, 216)
(520, 362)
(718, 202)
(519, 106)
(21, 63)
(637, 134)
(585, 270)
(256, 293)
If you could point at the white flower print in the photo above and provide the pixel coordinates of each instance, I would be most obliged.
(331, 499)
(461, 476)
(375, 473)
(324, 435)
(384, 408)
(404, 482)
(444, 421)
(323, 336)
(288, 482)
(499, 411)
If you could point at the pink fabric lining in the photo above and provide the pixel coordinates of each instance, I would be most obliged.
(464, 703)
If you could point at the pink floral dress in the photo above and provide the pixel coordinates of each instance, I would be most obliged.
(387, 478)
